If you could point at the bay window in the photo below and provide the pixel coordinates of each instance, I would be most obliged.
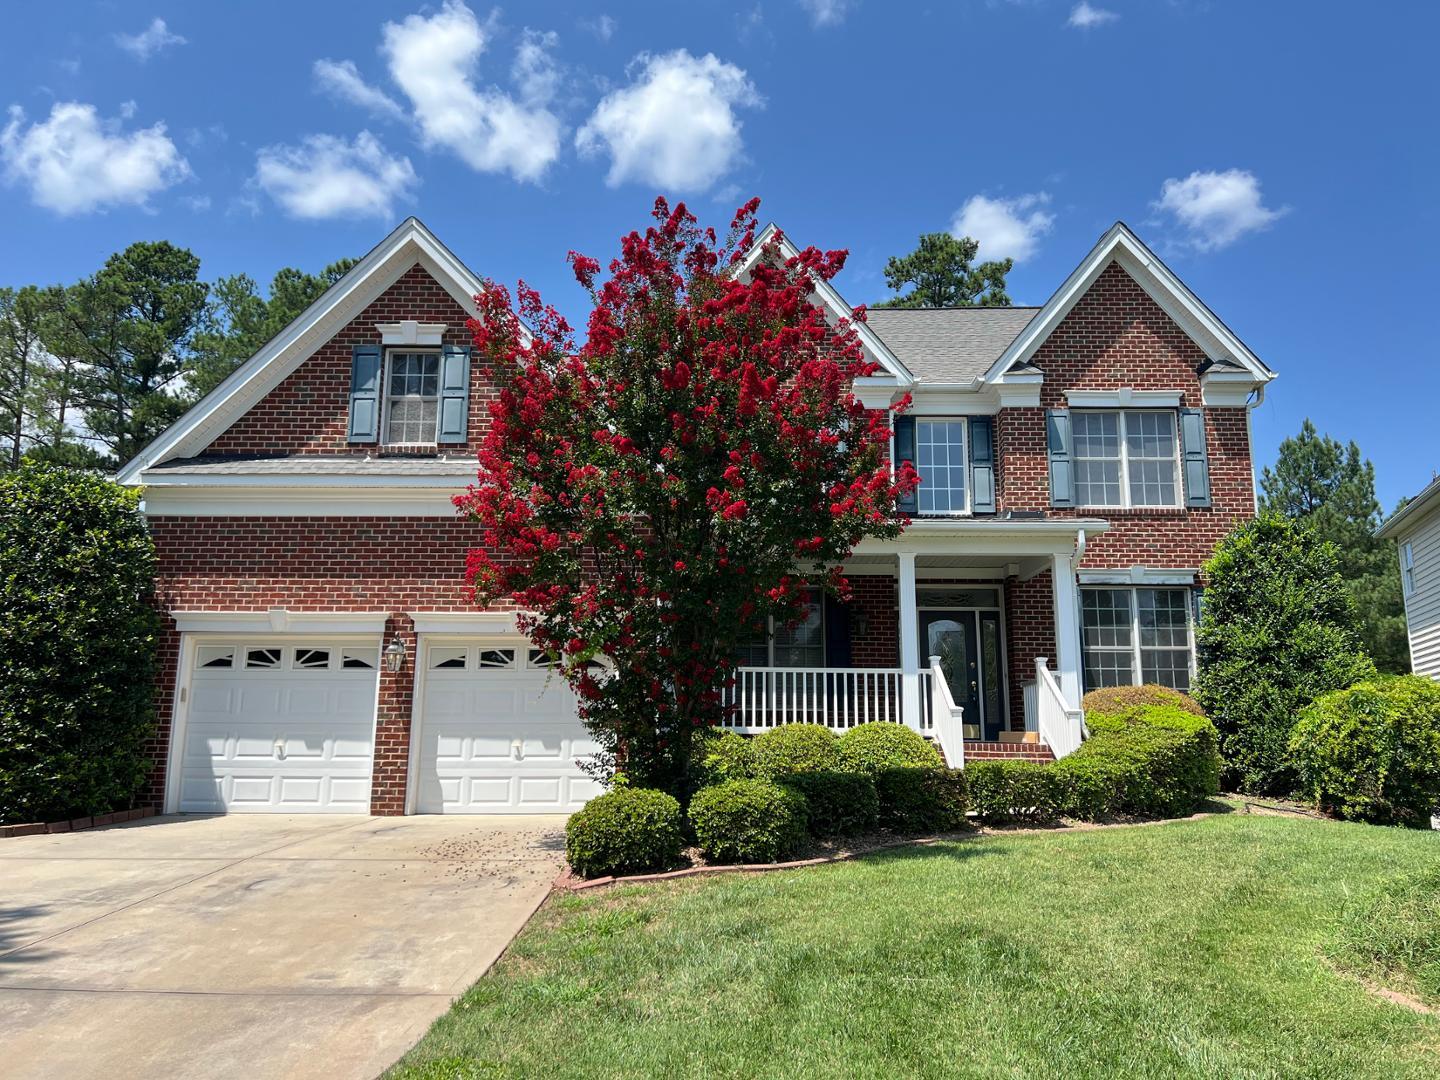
(1135, 636)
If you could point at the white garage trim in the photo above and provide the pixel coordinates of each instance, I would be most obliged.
(280, 621)
(192, 642)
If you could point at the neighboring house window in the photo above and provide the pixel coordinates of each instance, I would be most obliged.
(1125, 458)
(412, 398)
(940, 461)
(1134, 636)
(798, 646)
(1407, 568)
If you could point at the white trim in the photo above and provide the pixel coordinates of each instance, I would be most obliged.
(876, 391)
(1122, 246)
(387, 358)
(1124, 398)
(500, 623)
(946, 418)
(410, 332)
(179, 718)
(986, 535)
(1123, 429)
(833, 302)
(1226, 388)
(1407, 569)
(1138, 575)
(279, 621)
(410, 243)
(302, 500)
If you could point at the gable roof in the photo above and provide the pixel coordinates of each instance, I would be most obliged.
(409, 243)
(1411, 511)
(832, 301)
(949, 345)
(1122, 246)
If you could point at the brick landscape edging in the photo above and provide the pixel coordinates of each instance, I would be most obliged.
(76, 824)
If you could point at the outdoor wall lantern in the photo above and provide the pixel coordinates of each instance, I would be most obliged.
(859, 624)
(394, 655)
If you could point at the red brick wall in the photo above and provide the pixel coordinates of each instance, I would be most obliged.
(879, 646)
(308, 412)
(1117, 336)
(392, 721)
(1029, 632)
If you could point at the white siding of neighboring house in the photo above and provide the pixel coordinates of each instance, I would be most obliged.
(1422, 607)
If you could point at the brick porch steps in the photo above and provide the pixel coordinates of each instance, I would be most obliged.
(998, 751)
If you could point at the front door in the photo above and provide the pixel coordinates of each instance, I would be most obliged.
(968, 645)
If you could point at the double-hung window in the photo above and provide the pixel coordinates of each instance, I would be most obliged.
(1407, 568)
(940, 461)
(412, 398)
(1126, 458)
(799, 646)
(1134, 636)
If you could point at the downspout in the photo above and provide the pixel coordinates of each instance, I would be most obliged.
(1257, 398)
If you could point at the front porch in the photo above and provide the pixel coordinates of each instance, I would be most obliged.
(951, 632)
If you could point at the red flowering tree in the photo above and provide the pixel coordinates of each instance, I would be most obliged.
(654, 495)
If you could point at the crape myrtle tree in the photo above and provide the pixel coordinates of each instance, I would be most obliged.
(654, 496)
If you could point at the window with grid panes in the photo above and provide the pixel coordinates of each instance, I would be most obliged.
(412, 398)
(1135, 636)
(1125, 458)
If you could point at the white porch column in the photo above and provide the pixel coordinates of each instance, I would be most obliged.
(909, 642)
(1067, 627)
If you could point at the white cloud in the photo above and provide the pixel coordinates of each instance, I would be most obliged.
(534, 70)
(75, 162)
(197, 203)
(828, 12)
(327, 177)
(153, 39)
(341, 81)
(1087, 17)
(1004, 228)
(602, 26)
(433, 60)
(1217, 208)
(674, 126)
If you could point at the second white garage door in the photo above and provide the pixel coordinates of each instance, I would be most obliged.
(499, 734)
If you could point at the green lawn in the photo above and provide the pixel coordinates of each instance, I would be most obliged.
(1184, 949)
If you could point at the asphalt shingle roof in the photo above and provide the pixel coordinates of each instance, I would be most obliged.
(949, 345)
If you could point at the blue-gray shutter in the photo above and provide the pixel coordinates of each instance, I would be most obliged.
(1062, 458)
(837, 633)
(982, 465)
(454, 394)
(905, 451)
(364, 394)
(1195, 457)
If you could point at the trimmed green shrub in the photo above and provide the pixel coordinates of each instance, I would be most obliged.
(723, 755)
(840, 803)
(1121, 699)
(748, 821)
(626, 831)
(869, 748)
(1372, 752)
(796, 748)
(1005, 791)
(1165, 758)
(1092, 787)
(918, 799)
(77, 648)
(1393, 935)
(1276, 632)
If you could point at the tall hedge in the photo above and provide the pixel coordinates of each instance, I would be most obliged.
(77, 654)
(1277, 630)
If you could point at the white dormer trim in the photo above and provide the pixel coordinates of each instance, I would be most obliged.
(410, 243)
(1124, 398)
(1122, 246)
(410, 332)
(832, 302)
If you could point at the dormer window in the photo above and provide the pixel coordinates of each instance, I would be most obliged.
(412, 398)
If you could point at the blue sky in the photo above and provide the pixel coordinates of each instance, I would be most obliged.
(1280, 156)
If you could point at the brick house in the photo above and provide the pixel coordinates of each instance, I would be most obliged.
(1078, 460)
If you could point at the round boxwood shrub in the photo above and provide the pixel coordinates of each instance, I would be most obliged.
(77, 647)
(921, 799)
(869, 748)
(748, 821)
(625, 831)
(1121, 699)
(1372, 752)
(841, 803)
(796, 748)
(721, 756)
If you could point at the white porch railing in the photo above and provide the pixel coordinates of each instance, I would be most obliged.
(1061, 727)
(837, 698)
(947, 720)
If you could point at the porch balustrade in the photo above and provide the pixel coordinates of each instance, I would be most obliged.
(837, 698)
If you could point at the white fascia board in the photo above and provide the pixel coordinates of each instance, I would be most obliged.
(1408, 518)
(159, 482)
(1124, 398)
(1228, 388)
(1174, 297)
(931, 401)
(196, 501)
(478, 623)
(987, 536)
(382, 266)
(280, 621)
(1138, 575)
(876, 391)
(833, 302)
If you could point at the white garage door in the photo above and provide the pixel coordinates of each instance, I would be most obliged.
(279, 728)
(499, 734)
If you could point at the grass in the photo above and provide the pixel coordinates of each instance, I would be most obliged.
(1392, 937)
(1192, 948)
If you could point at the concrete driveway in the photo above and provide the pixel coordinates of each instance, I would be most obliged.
(255, 946)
